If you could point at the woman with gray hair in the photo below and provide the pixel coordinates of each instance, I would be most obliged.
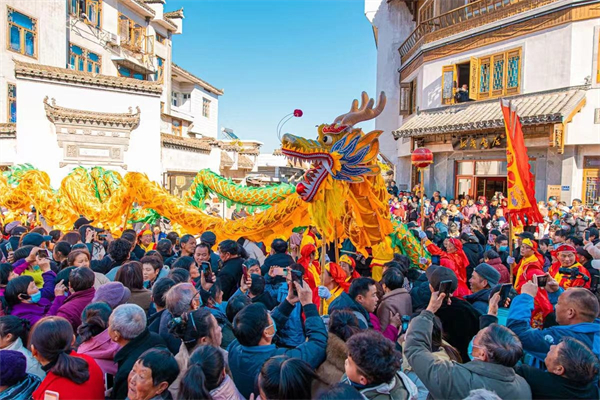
(496, 350)
(127, 328)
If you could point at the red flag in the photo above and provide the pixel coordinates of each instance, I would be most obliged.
(521, 186)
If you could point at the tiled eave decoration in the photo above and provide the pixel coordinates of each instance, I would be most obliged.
(57, 114)
(25, 70)
(8, 130)
(188, 144)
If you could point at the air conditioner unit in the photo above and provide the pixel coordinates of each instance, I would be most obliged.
(114, 39)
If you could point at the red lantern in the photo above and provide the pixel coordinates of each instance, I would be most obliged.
(298, 113)
(421, 157)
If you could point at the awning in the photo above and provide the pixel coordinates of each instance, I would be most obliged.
(538, 108)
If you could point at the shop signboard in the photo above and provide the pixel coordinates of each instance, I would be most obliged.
(479, 142)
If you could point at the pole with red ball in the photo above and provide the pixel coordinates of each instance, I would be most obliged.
(421, 158)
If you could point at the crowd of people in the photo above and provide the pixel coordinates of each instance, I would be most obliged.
(153, 315)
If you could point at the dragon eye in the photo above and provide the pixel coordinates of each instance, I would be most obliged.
(327, 139)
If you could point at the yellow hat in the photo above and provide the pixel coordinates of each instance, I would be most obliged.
(348, 260)
(147, 232)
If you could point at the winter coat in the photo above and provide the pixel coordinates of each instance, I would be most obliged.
(345, 302)
(397, 301)
(278, 259)
(92, 389)
(460, 322)
(439, 354)
(100, 279)
(226, 391)
(230, 276)
(450, 380)
(399, 388)
(102, 349)
(32, 312)
(333, 368)
(545, 385)
(593, 249)
(245, 362)
(141, 297)
(71, 307)
(537, 342)
(496, 263)
(22, 390)
(480, 300)
(128, 355)
(474, 252)
(33, 365)
(254, 251)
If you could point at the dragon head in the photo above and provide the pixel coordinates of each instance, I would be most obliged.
(341, 151)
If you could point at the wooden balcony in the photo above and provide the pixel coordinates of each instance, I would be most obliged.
(472, 15)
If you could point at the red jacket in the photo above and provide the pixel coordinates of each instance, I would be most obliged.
(92, 389)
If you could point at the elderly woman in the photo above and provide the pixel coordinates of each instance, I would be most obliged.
(127, 328)
(81, 293)
(151, 376)
(73, 376)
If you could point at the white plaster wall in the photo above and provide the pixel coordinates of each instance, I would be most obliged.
(8, 151)
(206, 126)
(394, 23)
(51, 41)
(36, 137)
(189, 161)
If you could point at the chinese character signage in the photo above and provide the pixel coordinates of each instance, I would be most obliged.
(479, 142)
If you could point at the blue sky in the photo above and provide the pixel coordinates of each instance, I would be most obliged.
(272, 56)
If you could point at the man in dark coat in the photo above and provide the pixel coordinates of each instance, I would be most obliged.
(230, 274)
(279, 256)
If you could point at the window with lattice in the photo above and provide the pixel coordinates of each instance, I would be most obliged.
(133, 35)
(12, 103)
(22, 33)
(81, 59)
(88, 10)
(206, 108)
(408, 98)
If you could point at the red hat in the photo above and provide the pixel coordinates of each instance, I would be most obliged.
(566, 247)
(336, 272)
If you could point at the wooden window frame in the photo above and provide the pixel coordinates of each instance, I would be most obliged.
(509, 54)
(177, 131)
(22, 33)
(160, 70)
(87, 61)
(174, 98)
(11, 100)
(161, 38)
(408, 97)
(136, 38)
(446, 69)
(74, 8)
(206, 107)
(499, 57)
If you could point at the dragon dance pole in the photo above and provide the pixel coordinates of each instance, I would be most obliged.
(510, 244)
(323, 251)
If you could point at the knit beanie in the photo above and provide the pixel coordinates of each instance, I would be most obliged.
(489, 273)
(113, 293)
(13, 367)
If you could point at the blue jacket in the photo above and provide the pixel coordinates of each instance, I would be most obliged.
(345, 302)
(480, 300)
(245, 362)
(537, 342)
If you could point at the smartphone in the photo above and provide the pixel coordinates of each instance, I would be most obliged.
(8, 246)
(245, 272)
(435, 260)
(43, 253)
(296, 277)
(278, 271)
(542, 280)
(587, 235)
(445, 287)
(50, 395)
(207, 271)
(504, 292)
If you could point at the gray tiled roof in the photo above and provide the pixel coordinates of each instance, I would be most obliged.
(534, 109)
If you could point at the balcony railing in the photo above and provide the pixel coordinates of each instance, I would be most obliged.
(459, 15)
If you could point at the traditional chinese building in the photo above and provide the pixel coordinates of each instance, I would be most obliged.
(93, 83)
(444, 65)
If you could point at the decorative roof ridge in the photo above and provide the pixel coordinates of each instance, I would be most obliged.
(56, 113)
(168, 21)
(40, 71)
(199, 81)
(174, 14)
(250, 151)
(154, 1)
(192, 143)
(145, 7)
(8, 129)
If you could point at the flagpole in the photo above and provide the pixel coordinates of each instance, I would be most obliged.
(510, 245)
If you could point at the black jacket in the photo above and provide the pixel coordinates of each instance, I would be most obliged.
(460, 322)
(154, 321)
(279, 259)
(474, 253)
(230, 276)
(128, 355)
(345, 302)
(545, 385)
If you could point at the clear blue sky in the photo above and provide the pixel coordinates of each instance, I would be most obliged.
(272, 56)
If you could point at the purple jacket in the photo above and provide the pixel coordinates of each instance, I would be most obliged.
(72, 306)
(48, 289)
(32, 312)
(103, 350)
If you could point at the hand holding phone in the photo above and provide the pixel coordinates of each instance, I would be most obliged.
(446, 287)
(504, 293)
(541, 280)
(245, 272)
(8, 246)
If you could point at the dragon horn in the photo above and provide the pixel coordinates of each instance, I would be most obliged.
(365, 112)
(353, 109)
